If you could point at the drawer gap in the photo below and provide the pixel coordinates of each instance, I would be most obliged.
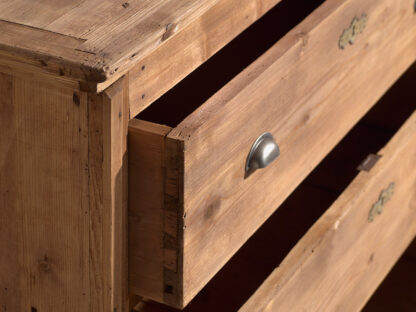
(266, 249)
(205, 81)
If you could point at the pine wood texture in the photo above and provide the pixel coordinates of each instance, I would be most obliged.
(63, 197)
(146, 152)
(108, 117)
(296, 91)
(95, 40)
(159, 71)
(44, 211)
(342, 259)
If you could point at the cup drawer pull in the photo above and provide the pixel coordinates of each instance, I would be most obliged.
(262, 153)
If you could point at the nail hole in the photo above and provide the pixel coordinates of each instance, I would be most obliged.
(169, 289)
(76, 99)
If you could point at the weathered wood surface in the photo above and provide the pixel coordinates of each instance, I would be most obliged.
(297, 91)
(95, 40)
(63, 199)
(146, 161)
(44, 209)
(342, 259)
(108, 118)
(156, 73)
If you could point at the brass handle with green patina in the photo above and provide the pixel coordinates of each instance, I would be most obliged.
(350, 34)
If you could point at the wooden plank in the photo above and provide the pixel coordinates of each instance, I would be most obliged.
(173, 224)
(43, 197)
(13, 67)
(156, 73)
(63, 193)
(296, 94)
(108, 117)
(146, 188)
(354, 253)
(155, 185)
(48, 52)
(35, 13)
(117, 100)
(9, 216)
(105, 39)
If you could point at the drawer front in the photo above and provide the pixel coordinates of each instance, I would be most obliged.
(191, 203)
(342, 259)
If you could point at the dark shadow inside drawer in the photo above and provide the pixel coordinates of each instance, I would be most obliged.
(266, 249)
(194, 90)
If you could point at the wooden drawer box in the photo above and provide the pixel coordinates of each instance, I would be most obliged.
(345, 255)
(191, 201)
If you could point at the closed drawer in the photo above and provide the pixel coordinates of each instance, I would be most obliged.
(191, 203)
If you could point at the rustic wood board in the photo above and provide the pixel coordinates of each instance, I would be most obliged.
(148, 185)
(156, 73)
(43, 197)
(63, 197)
(96, 40)
(344, 257)
(108, 117)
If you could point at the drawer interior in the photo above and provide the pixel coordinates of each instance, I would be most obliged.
(175, 105)
(266, 249)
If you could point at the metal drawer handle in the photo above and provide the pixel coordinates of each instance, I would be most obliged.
(263, 152)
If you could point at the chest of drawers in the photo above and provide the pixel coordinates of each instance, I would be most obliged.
(144, 143)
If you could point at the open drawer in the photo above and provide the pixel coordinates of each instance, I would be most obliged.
(332, 242)
(344, 257)
(192, 204)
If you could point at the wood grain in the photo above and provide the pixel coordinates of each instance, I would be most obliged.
(296, 94)
(355, 254)
(43, 197)
(63, 197)
(156, 73)
(108, 117)
(155, 243)
(146, 158)
(104, 39)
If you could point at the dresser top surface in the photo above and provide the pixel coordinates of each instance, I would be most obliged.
(102, 37)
